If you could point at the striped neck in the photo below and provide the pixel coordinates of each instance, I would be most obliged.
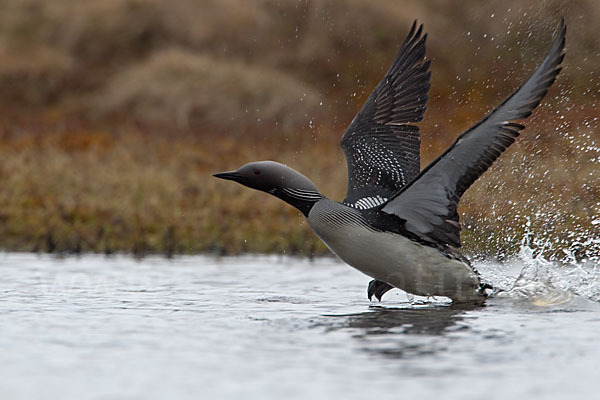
(302, 199)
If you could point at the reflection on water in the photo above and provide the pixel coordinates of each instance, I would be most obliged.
(385, 320)
(392, 324)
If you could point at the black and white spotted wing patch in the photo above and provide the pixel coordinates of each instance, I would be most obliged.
(381, 146)
(376, 168)
(365, 203)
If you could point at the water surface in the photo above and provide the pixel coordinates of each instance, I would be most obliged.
(283, 328)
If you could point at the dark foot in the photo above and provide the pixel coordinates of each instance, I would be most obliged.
(483, 286)
(377, 288)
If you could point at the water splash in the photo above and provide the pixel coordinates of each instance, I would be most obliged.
(535, 281)
(543, 282)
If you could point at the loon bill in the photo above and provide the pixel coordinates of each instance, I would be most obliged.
(397, 224)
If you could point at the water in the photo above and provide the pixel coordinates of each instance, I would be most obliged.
(282, 328)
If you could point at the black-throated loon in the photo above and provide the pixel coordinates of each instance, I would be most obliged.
(397, 224)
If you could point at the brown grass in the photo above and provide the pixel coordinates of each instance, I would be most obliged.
(190, 91)
(63, 50)
(114, 114)
(123, 191)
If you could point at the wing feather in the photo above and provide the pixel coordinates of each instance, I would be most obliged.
(429, 203)
(381, 146)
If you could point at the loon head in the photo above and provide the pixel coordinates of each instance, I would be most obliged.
(277, 179)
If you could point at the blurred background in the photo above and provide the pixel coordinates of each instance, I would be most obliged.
(114, 114)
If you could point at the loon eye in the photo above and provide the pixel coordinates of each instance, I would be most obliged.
(256, 171)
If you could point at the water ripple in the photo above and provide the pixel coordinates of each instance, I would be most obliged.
(275, 327)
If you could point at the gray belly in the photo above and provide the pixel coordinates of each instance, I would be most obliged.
(392, 258)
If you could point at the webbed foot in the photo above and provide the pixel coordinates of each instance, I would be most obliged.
(377, 288)
(483, 286)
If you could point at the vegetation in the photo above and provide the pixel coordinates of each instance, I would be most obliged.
(115, 114)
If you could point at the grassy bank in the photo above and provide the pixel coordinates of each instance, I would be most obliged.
(124, 191)
(115, 114)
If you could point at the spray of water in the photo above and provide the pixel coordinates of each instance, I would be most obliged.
(533, 277)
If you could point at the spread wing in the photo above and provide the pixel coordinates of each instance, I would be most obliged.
(428, 204)
(381, 146)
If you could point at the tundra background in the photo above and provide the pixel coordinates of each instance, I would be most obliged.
(114, 114)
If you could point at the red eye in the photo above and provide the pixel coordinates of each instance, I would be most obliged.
(257, 172)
